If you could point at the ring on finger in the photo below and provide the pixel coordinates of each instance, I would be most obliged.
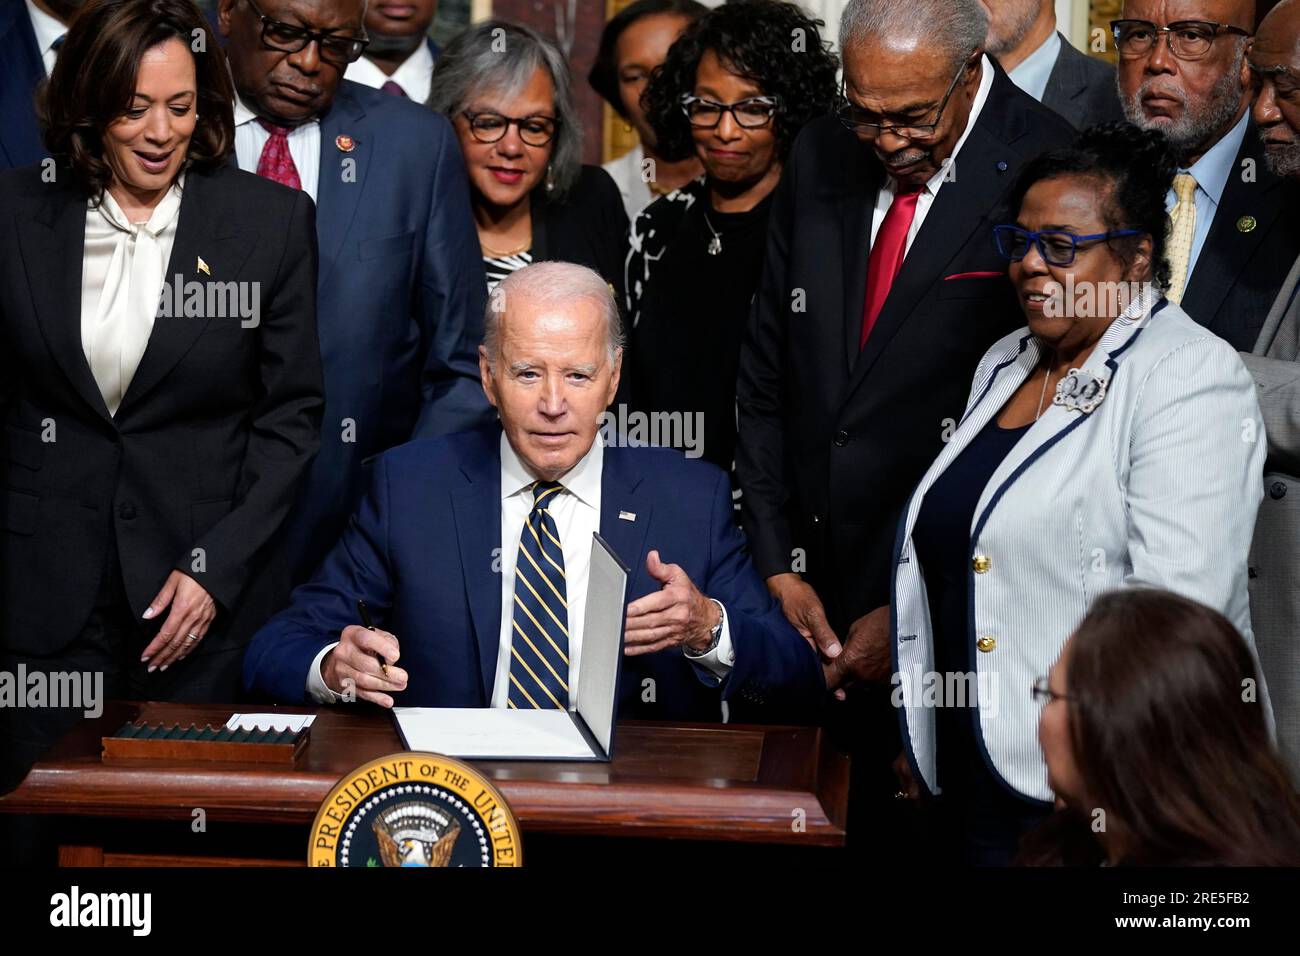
(191, 637)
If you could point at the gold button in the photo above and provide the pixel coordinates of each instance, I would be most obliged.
(981, 563)
(986, 643)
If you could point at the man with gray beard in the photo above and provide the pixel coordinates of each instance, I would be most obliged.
(1274, 571)
(1234, 229)
(1024, 40)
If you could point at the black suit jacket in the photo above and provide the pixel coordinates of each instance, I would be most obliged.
(588, 226)
(1249, 250)
(832, 442)
(211, 439)
(1082, 89)
(21, 70)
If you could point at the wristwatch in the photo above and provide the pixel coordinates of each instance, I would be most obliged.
(715, 633)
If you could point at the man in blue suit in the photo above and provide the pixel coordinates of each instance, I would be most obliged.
(401, 286)
(399, 59)
(472, 551)
(30, 32)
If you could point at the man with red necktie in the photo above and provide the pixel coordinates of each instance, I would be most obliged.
(401, 288)
(881, 290)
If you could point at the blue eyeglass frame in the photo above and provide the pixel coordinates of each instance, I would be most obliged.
(1036, 239)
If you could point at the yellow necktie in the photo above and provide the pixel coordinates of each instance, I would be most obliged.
(1182, 230)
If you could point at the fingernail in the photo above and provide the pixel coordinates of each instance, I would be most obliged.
(833, 650)
(165, 666)
(144, 658)
(148, 613)
(152, 668)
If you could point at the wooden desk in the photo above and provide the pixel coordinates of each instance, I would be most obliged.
(725, 783)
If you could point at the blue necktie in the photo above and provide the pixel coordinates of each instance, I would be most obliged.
(539, 646)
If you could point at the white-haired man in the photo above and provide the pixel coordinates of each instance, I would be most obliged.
(472, 550)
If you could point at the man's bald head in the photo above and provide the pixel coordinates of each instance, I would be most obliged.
(1275, 61)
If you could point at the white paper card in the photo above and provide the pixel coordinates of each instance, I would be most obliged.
(294, 722)
(490, 733)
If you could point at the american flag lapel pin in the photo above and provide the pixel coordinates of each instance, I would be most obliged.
(202, 267)
(627, 515)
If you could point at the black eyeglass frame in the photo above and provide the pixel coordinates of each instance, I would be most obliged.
(1041, 690)
(323, 41)
(845, 111)
(1216, 30)
(508, 121)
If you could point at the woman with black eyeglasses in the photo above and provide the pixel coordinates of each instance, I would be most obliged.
(507, 92)
(1111, 442)
(734, 90)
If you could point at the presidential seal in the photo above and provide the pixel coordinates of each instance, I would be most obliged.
(414, 809)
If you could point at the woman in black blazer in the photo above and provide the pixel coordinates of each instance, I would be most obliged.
(160, 378)
(521, 136)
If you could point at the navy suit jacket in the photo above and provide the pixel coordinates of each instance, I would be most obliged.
(400, 299)
(21, 70)
(419, 552)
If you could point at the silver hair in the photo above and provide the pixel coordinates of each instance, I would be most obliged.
(499, 57)
(957, 26)
(556, 284)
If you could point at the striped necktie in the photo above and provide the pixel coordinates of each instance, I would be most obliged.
(539, 646)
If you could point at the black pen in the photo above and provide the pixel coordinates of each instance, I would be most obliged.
(369, 625)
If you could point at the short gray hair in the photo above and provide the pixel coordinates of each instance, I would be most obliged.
(552, 283)
(499, 57)
(958, 26)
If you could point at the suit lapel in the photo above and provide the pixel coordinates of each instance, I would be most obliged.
(52, 249)
(1280, 336)
(1228, 250)
(340, 183)
(961, 207)
(624, 512)
(476, 507)
(207, 229)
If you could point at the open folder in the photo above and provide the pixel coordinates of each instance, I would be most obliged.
(585, 732)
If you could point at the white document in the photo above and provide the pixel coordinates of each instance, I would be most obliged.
(508, 734)
(294, 722)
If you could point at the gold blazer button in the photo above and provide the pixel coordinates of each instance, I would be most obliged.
(986, 643)
(981, 563)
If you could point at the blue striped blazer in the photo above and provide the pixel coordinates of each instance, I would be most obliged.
(1158, 485)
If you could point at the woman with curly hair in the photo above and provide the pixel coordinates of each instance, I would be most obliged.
(734, 90)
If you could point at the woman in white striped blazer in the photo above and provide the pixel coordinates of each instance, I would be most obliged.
(1105, 447)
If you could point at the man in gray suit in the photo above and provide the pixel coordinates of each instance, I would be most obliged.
(1274, 568)
(1024, 40)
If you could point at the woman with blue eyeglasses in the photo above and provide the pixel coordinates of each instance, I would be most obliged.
(1111, 442)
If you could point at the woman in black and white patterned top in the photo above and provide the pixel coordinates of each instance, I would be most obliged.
(521, 137)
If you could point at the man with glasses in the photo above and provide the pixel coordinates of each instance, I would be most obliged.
(1024, 40)
(1183, 70)
(881, 290)
(1274, 361)
(401, 288)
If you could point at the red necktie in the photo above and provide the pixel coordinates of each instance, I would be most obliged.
(392, 88)
(276, 163)
(886, 258)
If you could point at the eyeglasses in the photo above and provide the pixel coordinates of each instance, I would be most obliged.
(1057, 248)
(288, 38)
(1042, 690)
(1188, 39)
(751, 113)
(489, 127)
(855, 119)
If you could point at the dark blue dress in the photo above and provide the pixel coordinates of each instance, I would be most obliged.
(987, 818)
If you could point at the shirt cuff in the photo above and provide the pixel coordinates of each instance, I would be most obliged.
(722, 658)
(316, 686)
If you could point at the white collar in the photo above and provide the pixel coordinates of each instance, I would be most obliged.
(582, 480)
(244, 114)
(47, 28)
(163, 215)
(981, 97)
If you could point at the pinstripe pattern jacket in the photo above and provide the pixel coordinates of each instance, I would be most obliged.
(1158, 485)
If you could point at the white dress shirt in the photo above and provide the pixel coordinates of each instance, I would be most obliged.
(1033, 72)
(626, 173)
(931, 189)
(414, 76)
(304, 146)
(48, 29)
(576, 512)
(122, 274)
